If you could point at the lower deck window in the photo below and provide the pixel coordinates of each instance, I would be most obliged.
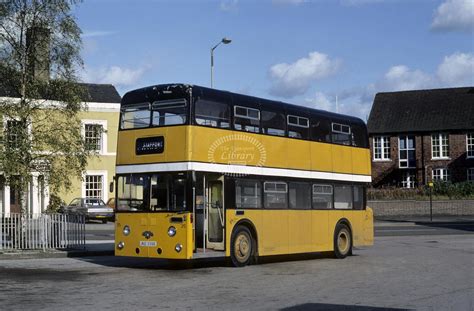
(322, 196)
(275, 195)
(343, 197)
(300, 195)
(358, 197)
(247, 194)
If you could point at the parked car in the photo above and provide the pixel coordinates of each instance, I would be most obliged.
(91, 208)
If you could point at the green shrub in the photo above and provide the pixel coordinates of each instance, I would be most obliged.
(55, 203)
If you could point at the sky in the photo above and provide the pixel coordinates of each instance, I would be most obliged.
(333, 55)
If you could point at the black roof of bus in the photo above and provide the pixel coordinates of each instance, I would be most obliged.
(147, 94)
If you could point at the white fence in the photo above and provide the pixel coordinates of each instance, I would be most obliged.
(42, 231)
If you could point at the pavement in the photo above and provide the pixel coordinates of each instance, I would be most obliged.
(100, 237)
(398, 273)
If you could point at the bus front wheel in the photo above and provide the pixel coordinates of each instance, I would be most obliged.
(342, 241)
(242, 247)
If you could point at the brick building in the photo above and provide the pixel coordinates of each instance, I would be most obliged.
(423, 135)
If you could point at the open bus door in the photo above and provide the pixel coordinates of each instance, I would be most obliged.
(215, 211)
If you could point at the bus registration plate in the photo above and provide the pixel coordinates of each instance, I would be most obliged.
(148, 243)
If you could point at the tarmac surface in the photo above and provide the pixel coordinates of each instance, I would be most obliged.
(423, 272)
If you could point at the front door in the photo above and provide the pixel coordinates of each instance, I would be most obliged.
(215, 213)
(15, 207)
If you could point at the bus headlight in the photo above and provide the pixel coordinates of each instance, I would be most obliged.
(178, 247)
(171, 231)
(126, 230)
(120, 245)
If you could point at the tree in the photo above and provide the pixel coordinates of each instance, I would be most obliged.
(39, 58)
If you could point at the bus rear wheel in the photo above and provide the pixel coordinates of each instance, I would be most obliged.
(342, 241)
(242, 247)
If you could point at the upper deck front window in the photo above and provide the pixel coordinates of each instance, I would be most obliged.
(169, 112)
(134, 117)
(158, 113)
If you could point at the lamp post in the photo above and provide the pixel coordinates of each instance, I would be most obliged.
(225, 41)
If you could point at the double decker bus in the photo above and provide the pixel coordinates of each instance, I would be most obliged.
(202, 172)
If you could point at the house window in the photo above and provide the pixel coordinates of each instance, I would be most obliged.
(441, 174)
(93, 136)
(94, 186)
(439, 146)
(408, 179)
(470, 145)
(470, 174)
(407, 154)
(15, 129)
(381, 148)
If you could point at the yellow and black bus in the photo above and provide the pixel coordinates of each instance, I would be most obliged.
(202, 172)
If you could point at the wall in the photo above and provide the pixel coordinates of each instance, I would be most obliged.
(422, 208)
(387, 172)
(104, 163)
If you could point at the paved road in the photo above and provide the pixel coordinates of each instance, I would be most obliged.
(104, 232)
(417, 272)
(401, 228)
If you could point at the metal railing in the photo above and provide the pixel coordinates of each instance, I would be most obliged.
(42, 231)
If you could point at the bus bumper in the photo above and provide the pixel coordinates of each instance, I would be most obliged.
(154, 235)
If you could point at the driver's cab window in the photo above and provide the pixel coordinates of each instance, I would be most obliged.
(159, 193)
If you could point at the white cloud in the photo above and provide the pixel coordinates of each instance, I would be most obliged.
(321, 101)
(115, 75)
(289, 80)
(454, 15)
(348, 102)
(91, 34)
(403, 78)
(229, 5)
(456, 69)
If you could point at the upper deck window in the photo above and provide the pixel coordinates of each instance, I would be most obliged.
(321, 129)
(169, 112)
(298, 121)
(341, 134)
(212, 113)
(137, 116)
(298, 127)
(273, 123)
(246, 119)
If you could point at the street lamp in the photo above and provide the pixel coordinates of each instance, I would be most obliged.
(225, 41)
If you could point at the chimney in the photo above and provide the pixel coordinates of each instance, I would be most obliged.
(37, 44)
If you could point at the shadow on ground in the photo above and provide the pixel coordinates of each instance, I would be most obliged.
(165, 264)
(463, 226)
(334, 307)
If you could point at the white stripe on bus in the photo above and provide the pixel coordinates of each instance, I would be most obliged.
(238, 169)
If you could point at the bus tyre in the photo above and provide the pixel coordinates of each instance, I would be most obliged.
(242, 247)
(342, 241)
